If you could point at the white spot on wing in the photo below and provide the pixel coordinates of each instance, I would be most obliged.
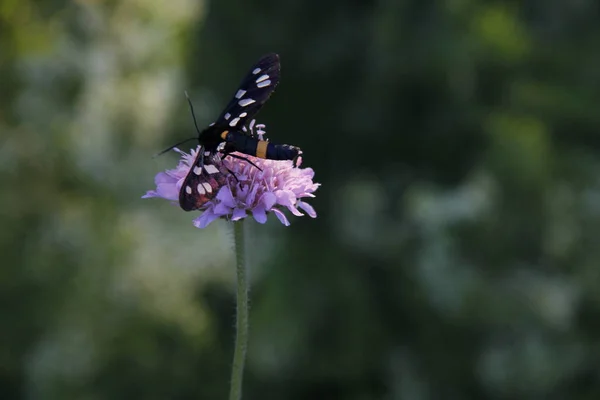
(262, 78)
(240, 93)
(234, 122)
(242, 115)
(207, 187)
(263, 83)
(197, 170)
(212, 124)
(256, 71)
(200, 188)
(211, 169)
(227, 116)
(188, 190)
(245, 102)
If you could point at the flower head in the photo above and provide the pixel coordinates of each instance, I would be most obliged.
(277, 187)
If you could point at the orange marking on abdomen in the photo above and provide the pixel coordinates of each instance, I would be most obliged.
(261, 149)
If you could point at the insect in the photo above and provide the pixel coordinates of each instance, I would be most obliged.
(229, 133)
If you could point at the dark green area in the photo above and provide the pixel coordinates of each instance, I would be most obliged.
(455, 255)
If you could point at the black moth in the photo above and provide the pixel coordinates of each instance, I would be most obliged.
(229, 133)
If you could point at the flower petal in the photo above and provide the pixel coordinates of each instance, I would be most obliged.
(242, 192)
(238, 213)
(226, 197)
(308, 172)
(205, 219)
(222, 209)
(149, 194)
(281, 216)
(252, 195)
(295, 211)
(268, 200)
(259, 214)
(285, 197)
(168, 191)
(308, 208)
(163, 177)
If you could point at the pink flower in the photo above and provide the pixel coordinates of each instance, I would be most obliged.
(277, 187)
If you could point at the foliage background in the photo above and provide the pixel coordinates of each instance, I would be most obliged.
(455, 254)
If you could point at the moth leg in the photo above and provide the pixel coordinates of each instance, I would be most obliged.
(231, 172)
(225, 154)
(240, 158)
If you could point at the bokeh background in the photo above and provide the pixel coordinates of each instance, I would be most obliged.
(455, 255)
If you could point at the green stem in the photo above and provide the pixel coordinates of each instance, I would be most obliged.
(241, 323)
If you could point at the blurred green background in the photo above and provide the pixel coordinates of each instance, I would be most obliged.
(455, 255)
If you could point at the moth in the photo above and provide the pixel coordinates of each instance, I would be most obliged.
(230, 133)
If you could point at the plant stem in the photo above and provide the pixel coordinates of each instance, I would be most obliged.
(241, 323)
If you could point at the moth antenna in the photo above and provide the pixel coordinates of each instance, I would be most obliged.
(186, 140)
(192, 110)
(172, 147)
